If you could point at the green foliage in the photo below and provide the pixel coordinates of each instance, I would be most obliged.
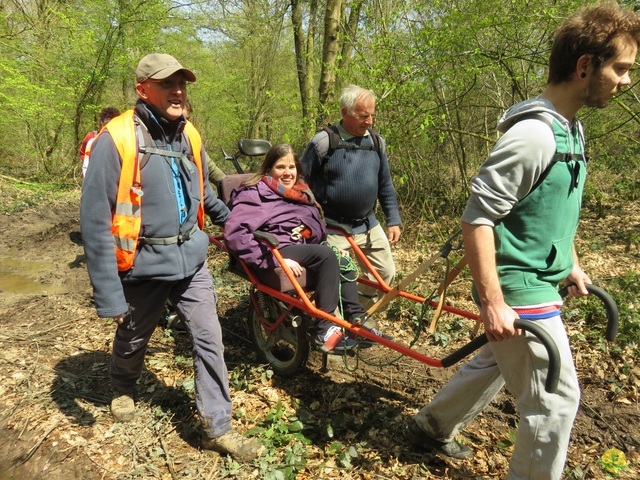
(58, 62)
(510, 441)
(626, 291)
(246, 377)
(19, 196)
(281, 432)
(443, 73)
(345, 455)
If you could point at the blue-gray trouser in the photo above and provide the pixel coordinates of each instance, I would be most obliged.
(194, 300)
(545, 418)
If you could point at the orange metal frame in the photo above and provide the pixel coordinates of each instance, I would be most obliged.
(303, 302)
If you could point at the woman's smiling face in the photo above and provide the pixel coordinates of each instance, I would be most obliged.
(284, 171)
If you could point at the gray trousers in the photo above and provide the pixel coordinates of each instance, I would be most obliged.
(194, 299)
(546, 419)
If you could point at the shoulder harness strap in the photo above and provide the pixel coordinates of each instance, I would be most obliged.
(146, 149)
(557, 157)
(335, 142)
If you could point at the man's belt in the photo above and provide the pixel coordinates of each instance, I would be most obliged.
(181, 238)
(353, 222)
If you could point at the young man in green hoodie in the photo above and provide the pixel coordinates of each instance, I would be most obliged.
(519, 227)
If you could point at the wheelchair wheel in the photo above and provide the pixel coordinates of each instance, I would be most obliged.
(285, 348)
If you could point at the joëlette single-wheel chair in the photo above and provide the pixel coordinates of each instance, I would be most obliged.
(281, 308)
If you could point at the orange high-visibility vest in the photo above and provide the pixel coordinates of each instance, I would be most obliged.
(126, 220)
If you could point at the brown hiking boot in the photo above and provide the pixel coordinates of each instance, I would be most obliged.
(123, 408)
(240, 448)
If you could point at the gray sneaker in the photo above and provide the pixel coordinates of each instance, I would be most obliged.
(450, 449)
(123, 408)
(239, 447)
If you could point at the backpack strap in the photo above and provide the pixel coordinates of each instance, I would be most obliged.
(146, 149)
(377, 140)
(143, 139)
(335, 142)
(557, 157)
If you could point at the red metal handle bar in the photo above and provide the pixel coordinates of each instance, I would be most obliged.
(419, 299)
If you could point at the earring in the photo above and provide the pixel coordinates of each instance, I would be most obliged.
(583, 74)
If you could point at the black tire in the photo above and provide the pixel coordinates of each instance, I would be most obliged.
(286, 349)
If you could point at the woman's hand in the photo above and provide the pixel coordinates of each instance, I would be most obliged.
(295, 267)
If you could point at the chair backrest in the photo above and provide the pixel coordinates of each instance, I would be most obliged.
(229, 182)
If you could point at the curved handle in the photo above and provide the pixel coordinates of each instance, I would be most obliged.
(551, 383)
(610, 306)
(267, 237)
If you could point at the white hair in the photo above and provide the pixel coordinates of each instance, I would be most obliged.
(350, 96)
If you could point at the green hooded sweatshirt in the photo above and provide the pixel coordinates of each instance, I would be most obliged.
(530, 191)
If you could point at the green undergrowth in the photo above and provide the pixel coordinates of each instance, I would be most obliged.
(290, 429)
(625, 290)
(17, 196)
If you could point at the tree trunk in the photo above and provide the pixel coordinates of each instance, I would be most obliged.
(350, 31)
(330, 51)
(305, 60)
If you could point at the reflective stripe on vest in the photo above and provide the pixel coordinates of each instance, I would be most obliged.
(126, 221)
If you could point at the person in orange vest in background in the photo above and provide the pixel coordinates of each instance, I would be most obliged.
(106, 114)
(148, 164)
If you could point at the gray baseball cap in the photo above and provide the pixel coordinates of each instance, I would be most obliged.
(158, 66)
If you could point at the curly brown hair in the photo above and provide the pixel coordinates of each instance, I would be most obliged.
(598, 30)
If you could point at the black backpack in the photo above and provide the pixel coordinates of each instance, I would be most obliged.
(335, 142)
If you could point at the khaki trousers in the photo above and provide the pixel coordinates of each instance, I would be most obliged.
(375, 245)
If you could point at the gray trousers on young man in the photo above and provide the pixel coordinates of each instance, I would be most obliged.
(546, 418)
(194, 299)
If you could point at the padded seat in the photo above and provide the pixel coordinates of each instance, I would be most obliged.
(276, 278)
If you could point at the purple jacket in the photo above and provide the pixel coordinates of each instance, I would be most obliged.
(260, 208)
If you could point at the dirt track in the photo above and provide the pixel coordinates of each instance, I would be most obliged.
(54, 395)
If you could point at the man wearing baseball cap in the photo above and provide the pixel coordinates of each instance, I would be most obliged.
(142, 213)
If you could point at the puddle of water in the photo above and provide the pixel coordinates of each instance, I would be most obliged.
(11, 264)
(13, 282)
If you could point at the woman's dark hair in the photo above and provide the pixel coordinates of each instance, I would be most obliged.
(107, 114)
(597, 31)
(275, 153)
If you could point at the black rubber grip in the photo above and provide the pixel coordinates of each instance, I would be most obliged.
(267, 237)
(551, 382)
(610, 306)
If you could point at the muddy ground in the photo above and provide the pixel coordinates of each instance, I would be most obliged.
(54, 352)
